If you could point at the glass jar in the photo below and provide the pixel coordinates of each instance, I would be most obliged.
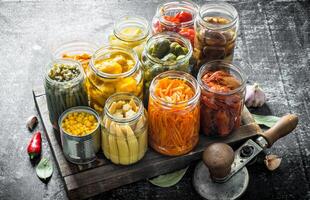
(77, 50)
(153, 66)
(176, 16)
(216, 29)
(174, 125)
(222, 97)
(124, 136)
(63, 95)
(131, 32)
(108, 76)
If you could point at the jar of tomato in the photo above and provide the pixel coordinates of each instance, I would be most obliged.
(163, 52)
(124, 129)
(216, 29)
(222, 97)
(131, 32)
(176, 16)
(113, 69)
(174, 113)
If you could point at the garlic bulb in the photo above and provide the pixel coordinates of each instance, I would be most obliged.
(272, 162)
(255, 96)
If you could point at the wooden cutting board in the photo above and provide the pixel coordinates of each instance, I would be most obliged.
(83, 181)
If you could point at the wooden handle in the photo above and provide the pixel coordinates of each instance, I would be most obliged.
(283, 127)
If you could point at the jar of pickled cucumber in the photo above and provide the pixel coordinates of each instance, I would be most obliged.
(165, 51)
(124, 129)
(174, 113)
(131, 32)
(64, 86)
(77, 50)
(216, 29)
(222, 97)
(113, 69)
(176, 16)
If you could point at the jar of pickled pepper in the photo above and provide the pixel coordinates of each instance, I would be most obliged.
(176, 16)
(131, 32)
(222, 97)
(165, 51)
(174, 113)
(216, 28)
(124, 129)
(113, 69)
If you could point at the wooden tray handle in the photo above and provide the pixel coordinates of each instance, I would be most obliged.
(283, 127)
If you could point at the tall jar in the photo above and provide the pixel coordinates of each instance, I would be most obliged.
(63, 94)
(216, 29)
(124, 129)
(77, 50)
(174, 113)
(176, 16)
(222, 97)
(113, 69)
(131, 32)
(165, 51)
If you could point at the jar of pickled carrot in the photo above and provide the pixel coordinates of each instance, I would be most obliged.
(174, 113)
(222, 97)
(113, 69)
(131, 32)
(216, 28)
(176, 16)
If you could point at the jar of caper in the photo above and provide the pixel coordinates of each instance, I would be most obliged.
(163, 52)
(64, 87)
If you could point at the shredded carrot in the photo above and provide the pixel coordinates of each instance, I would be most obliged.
(174, 130)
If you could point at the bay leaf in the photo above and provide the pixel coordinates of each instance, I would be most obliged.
(267, 120)
(44, 169)
(168, 180)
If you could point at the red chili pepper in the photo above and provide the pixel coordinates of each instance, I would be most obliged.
(184, 16)
(34, 146)
(189, 33)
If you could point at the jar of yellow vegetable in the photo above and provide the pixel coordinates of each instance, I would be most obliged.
(124, 129)
(132, 32)
(113, 69)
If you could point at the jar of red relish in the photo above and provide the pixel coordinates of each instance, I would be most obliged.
(176, 16)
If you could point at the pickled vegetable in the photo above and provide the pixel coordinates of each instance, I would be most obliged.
(83, 58)
(124, 143)
(174, 130)
(79, 123)
(64, 88)
(220, 110)
(114, 71)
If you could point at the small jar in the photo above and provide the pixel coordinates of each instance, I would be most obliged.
(174, 125)
(61, 95)
(153, 65)
(107, 75)
(176, 16)
(222, 97)
(216, 29)
(124, 129)
(131, 32)
(80, 149)
(77, 50)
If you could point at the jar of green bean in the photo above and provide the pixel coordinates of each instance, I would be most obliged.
(64, 87)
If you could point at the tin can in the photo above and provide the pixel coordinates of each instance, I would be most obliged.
(80, 149)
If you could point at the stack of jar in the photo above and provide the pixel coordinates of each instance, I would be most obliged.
(156, 69)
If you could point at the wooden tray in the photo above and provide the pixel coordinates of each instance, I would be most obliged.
(83, 181)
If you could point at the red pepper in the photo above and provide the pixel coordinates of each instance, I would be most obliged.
(189, 33)
(184, 16)
(34, 146)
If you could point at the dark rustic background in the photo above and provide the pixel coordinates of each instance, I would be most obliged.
(274, 38)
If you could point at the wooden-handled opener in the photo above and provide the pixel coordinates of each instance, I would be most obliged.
(223, 175)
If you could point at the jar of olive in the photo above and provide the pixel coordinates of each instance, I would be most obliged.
(113, 69)
(163, 52)
(131, 32)
(216, 28)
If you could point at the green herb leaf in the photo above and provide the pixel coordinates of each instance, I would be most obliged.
(168, 180)
(267, 120)
(44, 169)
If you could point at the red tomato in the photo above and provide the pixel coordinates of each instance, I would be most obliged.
(184, 16)
(189, 33)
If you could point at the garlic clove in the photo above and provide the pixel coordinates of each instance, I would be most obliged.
(32, 122)
(272, 162)
(255, 96)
